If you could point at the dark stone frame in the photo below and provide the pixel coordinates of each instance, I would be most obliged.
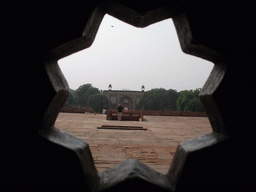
(132, 173)
(132, 168)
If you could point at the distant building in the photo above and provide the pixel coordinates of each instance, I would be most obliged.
(128, 99)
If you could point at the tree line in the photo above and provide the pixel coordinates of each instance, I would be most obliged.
(87, 96)
(155, 99)
(171, 100)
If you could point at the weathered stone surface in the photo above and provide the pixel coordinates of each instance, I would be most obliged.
(119, 96)
(34, 34)
(132, 174)
(79, 149)
(187, 150)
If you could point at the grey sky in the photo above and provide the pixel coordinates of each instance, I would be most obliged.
(128, 57)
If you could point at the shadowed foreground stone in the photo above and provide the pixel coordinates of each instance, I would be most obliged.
(132, 174)
(37, 35)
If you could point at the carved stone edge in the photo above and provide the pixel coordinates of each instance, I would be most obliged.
(188, 44)
(132, 169)
(188, 147)
(208, 101)
(77, 146)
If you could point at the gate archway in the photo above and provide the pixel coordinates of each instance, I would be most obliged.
(127, 102)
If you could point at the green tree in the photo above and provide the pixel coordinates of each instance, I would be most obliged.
(72, 91)
(188, 100)
(171, 97)
(159, 99)
(83, 93)
(194, 105)
(184, 97)
(97, 102)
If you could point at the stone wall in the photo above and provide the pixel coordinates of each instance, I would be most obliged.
(128, 99)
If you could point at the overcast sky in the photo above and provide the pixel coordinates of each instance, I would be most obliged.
(128, 57)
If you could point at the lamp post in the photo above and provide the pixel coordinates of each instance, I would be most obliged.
(142, 88)
(109, 87)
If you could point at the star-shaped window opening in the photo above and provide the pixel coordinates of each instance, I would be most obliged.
(123, 53)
